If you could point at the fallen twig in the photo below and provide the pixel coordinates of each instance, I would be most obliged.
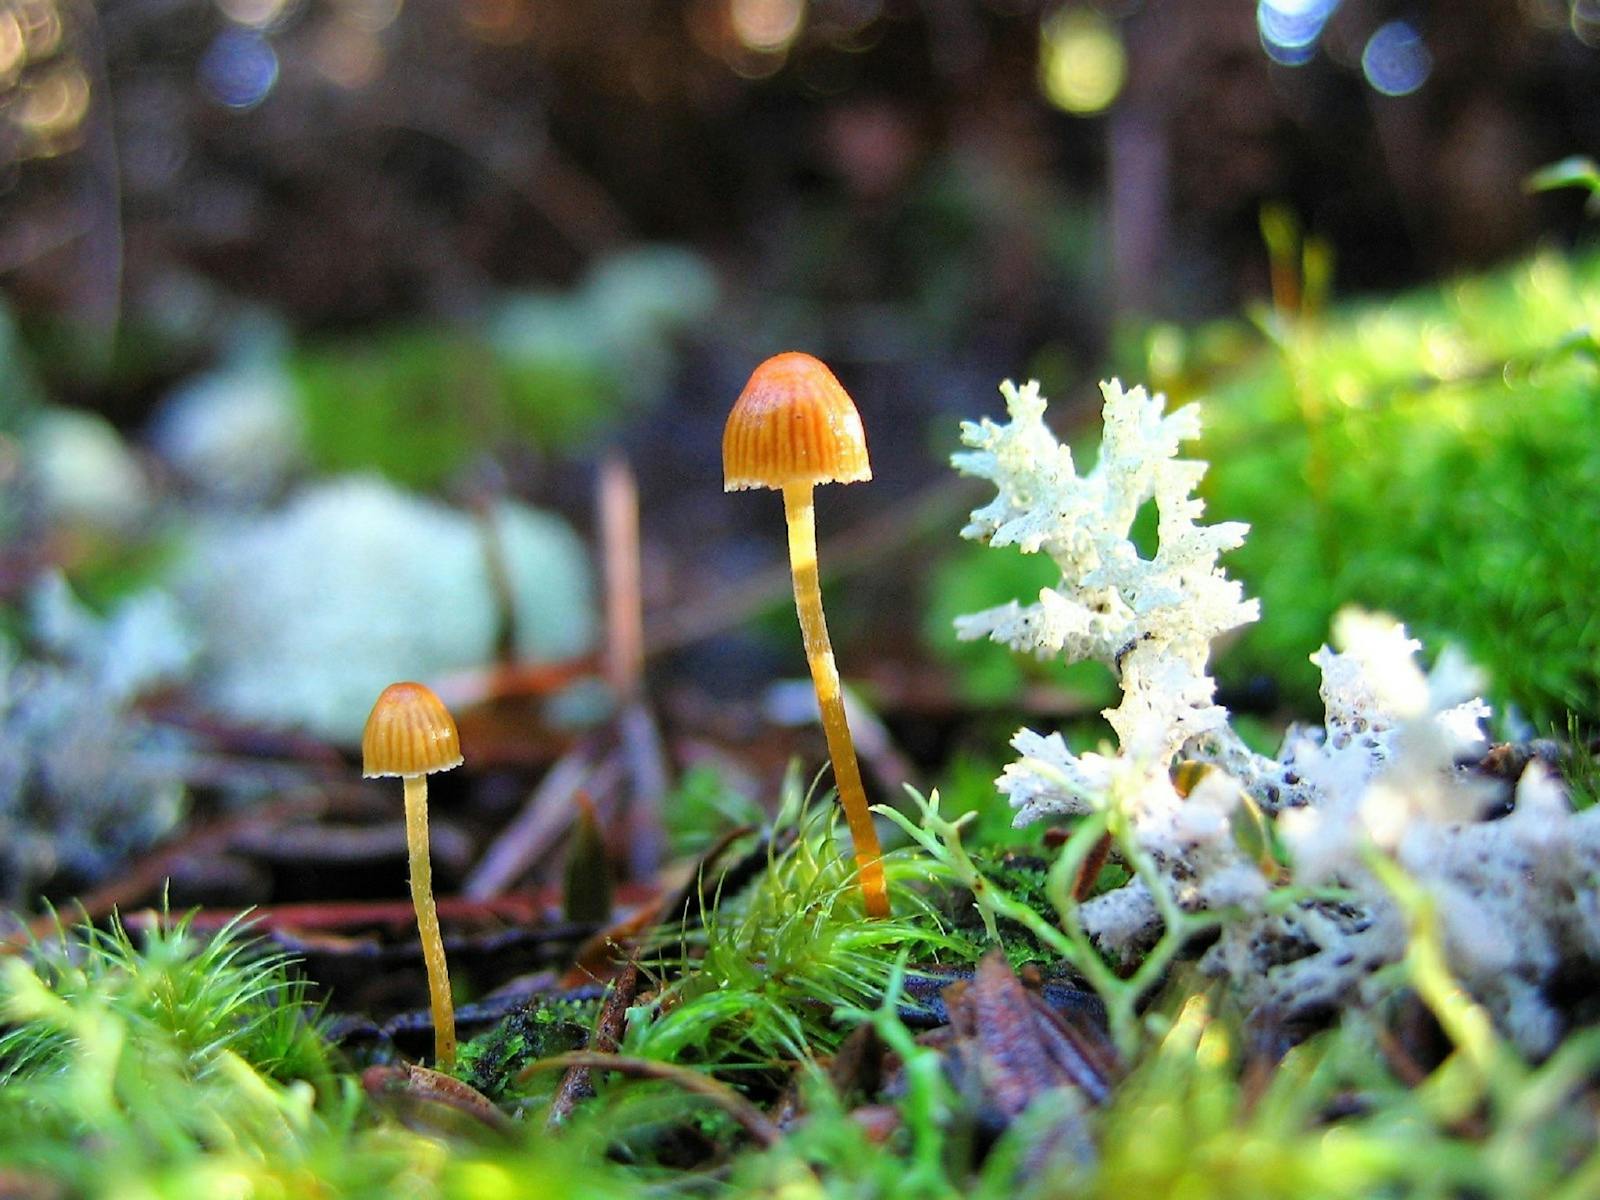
(640, 739)
(608, 1030)
(433, 1102)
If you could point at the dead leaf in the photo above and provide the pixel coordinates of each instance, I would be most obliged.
(1006, 1046)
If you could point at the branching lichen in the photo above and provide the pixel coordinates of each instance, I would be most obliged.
(1150, 619)
(1378, 781)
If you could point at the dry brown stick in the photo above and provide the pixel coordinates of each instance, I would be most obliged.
(510, 681)
(433, 1102)
(1083, 886)
(609, 1027)
(686, 904)
(341, 916)
(500, 585)
(618, 501)
(645, 759)
(543, 819)
(642, 753)
(1406, 1068)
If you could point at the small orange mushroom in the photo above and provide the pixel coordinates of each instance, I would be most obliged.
(410, 733)
(793, 427)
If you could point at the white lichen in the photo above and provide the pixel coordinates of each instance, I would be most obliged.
(1386, 778)
(1151, 620)
(621, 321)
(82, 473)
(1382, 775)
(234, 434)
(308, 612)
(85, 779)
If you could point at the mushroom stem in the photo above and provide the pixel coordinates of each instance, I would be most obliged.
(797, 508)
(444, 1016)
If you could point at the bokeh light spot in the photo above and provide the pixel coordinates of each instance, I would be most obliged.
(373, 16)
(56, 105)
(1396, 62)
(1586, 21)
(1289, 29)
(41, 28)
(11, 44)
(351, 58)
(239, 68)
(766, 26)
(1082, 65)
(256, 14)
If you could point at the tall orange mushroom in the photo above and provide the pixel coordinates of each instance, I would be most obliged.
(410, 733)
(793, 427)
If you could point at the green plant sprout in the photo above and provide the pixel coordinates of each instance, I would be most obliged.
(193, 1065)
(190, 1048)
(1578, 171)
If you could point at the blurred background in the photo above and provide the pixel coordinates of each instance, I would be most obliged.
(322, 317)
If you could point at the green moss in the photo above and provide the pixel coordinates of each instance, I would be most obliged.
(1580, 767)
(1025, 878)
(703, 808)
(189, 1067)
(417, 403)
(560, 401)
(490, 1061)
(405, 403)
(1432, 456)
(156, 1055)
(758, 978)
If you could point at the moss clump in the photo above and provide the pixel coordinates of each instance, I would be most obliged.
(759, 976)
(542, 1028)
(1433, 456)
(186, 1066)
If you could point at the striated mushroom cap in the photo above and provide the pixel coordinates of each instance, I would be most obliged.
(793, 423)
(409, 732)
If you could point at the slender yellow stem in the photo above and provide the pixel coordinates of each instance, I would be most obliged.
(444, 1013)
(825, 678)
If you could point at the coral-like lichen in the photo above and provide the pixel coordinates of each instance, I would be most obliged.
(1380, 776)
(1150, 619)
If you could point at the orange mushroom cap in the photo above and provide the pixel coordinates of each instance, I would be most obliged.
(793, 423)
(409, 732)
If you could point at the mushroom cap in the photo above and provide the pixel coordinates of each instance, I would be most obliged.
(793, 423)
(409, 732)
